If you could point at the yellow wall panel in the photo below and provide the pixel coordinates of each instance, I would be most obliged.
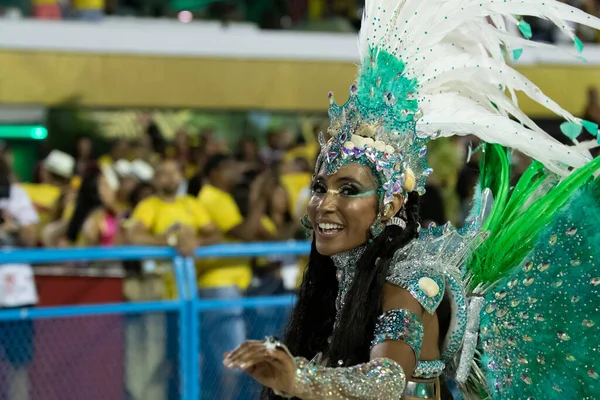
(280, 85)
(565, 84)
(127, 80)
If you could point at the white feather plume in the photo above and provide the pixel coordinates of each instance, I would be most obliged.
(455, 50)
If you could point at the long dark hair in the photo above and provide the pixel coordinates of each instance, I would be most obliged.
(88, 199)
(314, 315)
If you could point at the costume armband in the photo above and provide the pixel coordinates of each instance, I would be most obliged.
(402, 326)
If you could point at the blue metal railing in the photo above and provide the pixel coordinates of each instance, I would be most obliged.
(36, 256)
(187, 305)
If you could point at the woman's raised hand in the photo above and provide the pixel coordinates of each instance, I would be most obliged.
(271, 366)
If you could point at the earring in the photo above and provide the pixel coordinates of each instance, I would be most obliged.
(377, 227)
(308, 229)
(397, 221)
(305, 222)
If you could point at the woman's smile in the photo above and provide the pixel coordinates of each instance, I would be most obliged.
(342, 208)
(328, 230)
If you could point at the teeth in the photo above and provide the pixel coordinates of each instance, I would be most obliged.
(330, 226)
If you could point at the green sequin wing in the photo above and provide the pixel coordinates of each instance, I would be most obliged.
(540, 328)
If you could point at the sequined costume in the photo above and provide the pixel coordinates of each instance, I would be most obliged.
(538, 272)
(529, 326)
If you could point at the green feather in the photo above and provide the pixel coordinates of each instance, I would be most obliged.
(518, 216)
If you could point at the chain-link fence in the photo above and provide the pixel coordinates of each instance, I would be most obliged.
(162, 350)
(222, 330)
(100, 357)
(132, 356)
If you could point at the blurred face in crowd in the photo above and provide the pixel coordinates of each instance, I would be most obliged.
(212, 147)
(141, 149)
(120, 149)
(168, 177)
(108, 195)
(248, 149)
(342, 208)
(127, 185)
(274, 140)
(286, 140)
(8, 157)
(5, 175)
(181, 140)
(84, 148)
(46, 176)
(209, 145)
(145, 192)
(227, 174)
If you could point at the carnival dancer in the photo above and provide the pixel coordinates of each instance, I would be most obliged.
(387, 308)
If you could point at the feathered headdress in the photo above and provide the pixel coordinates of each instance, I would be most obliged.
(433, 68)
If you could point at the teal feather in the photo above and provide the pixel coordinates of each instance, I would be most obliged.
(381, 74)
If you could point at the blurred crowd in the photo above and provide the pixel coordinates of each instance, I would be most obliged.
(194, 191)
(315, 15)
(338, 15)
(188, 193)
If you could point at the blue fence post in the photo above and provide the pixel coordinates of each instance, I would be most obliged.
(184, 325)
(194, 344)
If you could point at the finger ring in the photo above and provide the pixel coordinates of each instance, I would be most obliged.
(272, 343)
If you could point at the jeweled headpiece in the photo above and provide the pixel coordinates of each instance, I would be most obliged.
(428, 70)
(376, 127)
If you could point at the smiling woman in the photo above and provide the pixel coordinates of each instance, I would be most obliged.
(383, 308)
(343, 206)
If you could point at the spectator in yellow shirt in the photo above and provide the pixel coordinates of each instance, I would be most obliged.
(164, 219)
(223, 175)
(168, 219)
(227, 278)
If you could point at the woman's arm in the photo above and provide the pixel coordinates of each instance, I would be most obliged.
(380, 378)
(396, 344)
(209, 234)
(90, 231)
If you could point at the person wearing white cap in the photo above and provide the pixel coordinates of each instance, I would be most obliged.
(130, 176)
(142, 170)
(53, 193)
(59, 166)
(123, 168)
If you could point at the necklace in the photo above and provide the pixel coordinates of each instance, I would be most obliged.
(345, 266)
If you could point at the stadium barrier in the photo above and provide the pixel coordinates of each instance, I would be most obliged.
(140, 350)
